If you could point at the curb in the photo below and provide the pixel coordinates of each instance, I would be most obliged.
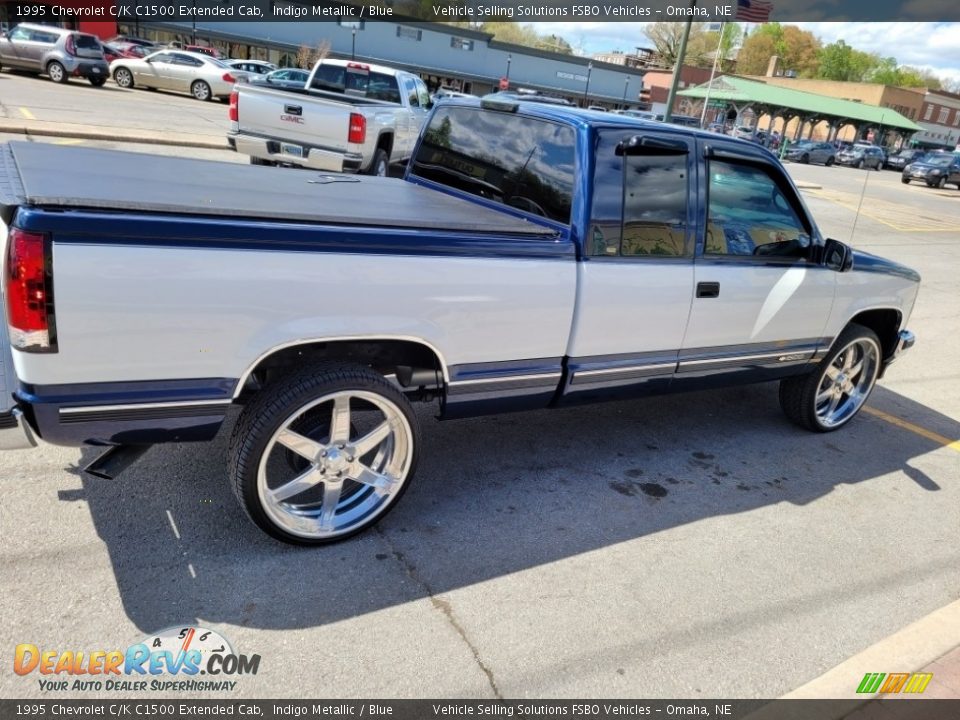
(908, 650)
(86, 132)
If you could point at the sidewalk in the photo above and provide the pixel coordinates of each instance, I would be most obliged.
(115, 134)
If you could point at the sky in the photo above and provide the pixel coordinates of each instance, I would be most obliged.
(931, 46)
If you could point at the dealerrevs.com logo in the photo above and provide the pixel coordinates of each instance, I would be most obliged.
(169, 661)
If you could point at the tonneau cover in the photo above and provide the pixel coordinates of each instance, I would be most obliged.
(41, 174)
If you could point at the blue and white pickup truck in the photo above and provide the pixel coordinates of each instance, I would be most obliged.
(534, 256)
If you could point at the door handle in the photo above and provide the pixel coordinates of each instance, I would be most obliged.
(293, 109)
(708, 289)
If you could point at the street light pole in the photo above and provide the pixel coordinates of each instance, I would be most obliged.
(626, 84)
(509, 59)
(194, 35)
(353, 45)
(587, 88)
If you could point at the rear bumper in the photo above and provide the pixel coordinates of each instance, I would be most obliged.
(89, 69)
(15, 432)
(277, 151)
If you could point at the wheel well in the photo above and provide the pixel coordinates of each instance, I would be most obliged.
(385, 142)
(384, 356)
(885, 323)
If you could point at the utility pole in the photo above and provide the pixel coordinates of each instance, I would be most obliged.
(678, 67)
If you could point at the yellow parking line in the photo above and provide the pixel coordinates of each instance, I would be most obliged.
(27, 114)
(915, 429)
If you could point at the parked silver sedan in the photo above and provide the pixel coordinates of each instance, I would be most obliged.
(807, 151)
(204, 77)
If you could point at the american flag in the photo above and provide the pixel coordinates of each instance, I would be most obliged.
(753, 10)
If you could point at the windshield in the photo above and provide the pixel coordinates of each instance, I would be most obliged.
(939, 161)
(218, 63)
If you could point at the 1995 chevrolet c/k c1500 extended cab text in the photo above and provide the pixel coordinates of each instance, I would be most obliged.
(534, 256)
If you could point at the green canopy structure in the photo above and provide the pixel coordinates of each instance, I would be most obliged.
(810, 108)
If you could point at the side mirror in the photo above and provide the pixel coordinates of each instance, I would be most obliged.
(837, 255)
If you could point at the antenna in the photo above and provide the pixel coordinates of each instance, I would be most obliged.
(863, 192)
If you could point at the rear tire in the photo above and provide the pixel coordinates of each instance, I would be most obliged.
(201, 91)
(341, 440)
(905, 181)
(805, 159)
(57, 73)
(380, 165)
(97, 81)
(830, 396)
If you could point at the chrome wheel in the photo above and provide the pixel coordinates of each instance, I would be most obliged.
(846, 382)
(335, 464)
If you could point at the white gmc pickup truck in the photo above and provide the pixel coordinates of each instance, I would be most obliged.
(534, 256)
(350, 117)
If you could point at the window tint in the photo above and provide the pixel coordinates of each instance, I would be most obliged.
(48, 38)
(373, 85)
(86, 42)
(178, 59)
(162, 58)
(522, 162)
(423, 93)
(749, 215)
(642, 213)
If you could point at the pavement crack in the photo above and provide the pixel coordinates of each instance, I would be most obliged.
(444, 607)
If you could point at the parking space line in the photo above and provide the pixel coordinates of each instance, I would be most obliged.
(887, 209)
(27, 114)
(915, 429)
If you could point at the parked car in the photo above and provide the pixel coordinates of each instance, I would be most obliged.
(641, 114)
(936, 170)
(597, 108)
(254, 67)
(861, 155)
(685, 121)
(148, 45)
(319, 310)
(204, 77)
(520, 96)
(808, 151)
(116, 50)
(285, 78)
(350, 117)
(448, 94)
(56, 52)
(900, 160)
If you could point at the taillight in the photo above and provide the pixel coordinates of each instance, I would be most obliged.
(70, 46)
(357, 66)
(29, 292)
(227, 77)
(235, 106)
(358, 128)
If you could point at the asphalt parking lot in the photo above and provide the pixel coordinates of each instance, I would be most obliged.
(694, 545)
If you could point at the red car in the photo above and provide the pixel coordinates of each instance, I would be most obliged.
(115, 50)
(209, 51)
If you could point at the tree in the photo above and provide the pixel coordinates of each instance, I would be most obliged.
(308, 56)
(839, 61)
(667, 36)
(755, 54)
(799, 50)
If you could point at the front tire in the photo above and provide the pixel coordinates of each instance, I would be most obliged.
(123, 78)
(57, 73)
(905, 181)
(942, 183)
(829, 161)
(324, 454)
(831, 396)
(805, 159)
(201, 91)
(860, 165)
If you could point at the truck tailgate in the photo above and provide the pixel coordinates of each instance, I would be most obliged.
(301, 119)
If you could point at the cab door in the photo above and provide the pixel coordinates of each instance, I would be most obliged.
(635, 281)
(761, 302)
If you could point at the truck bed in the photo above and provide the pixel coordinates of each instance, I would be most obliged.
(45, 175)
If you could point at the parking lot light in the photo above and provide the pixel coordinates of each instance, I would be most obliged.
(587, 88)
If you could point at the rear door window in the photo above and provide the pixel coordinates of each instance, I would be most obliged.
(526, 163)
(86, 42)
